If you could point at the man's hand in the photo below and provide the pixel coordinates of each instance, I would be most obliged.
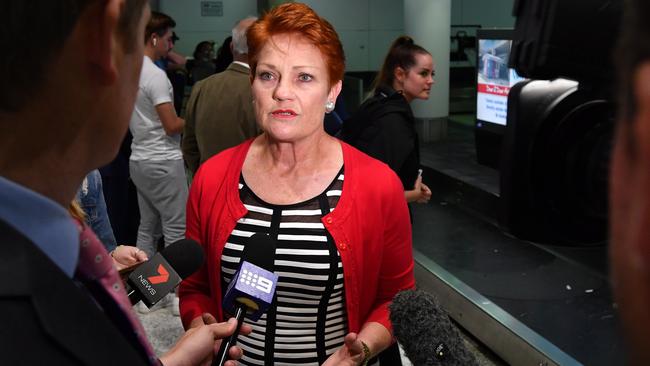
(199, 344)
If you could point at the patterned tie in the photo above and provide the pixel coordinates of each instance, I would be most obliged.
(96, 271)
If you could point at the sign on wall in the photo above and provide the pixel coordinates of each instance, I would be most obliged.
(211, 8)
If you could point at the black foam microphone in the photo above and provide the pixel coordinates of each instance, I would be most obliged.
(425, 332)
(251, 290)
(158, 276)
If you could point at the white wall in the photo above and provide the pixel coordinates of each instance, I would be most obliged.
(366, 27)
(192, 28)
(487, 13)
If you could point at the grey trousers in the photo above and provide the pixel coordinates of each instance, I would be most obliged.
(162, 196)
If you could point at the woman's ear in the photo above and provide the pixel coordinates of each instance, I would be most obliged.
(335, 90)
(399, 74)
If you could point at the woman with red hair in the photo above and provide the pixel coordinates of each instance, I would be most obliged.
(337, 220)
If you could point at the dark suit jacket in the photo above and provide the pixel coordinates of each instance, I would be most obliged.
(46, 318)
(219, 115)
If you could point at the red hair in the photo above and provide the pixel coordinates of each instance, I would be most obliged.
(296, 18)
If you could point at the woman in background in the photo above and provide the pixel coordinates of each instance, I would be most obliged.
(224, 55)
(384, 126)
(203, 64)
(336, 219)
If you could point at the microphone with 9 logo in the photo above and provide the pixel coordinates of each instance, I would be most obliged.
(251, 289)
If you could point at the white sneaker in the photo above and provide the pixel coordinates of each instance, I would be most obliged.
(176, 310)
(163, 303)
(141, 308)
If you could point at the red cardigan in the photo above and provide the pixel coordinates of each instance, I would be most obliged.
(370, 226)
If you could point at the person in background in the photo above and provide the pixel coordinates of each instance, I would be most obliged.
(384, 127)
(328, 209)
(91, 201)
(203, 62)
(630, 183)
(156, 163)
(124, 256)
(82, 94)
(224, 55)
(219, 112)
(174, 64)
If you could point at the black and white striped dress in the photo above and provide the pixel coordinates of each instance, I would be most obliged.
(308, 320)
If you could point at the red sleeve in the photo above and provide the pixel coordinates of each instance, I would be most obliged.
(194, 291)
(396, 272)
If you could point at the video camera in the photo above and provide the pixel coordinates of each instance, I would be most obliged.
(555, 152)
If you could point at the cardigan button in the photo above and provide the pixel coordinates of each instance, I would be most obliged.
(343, 246)
(328, 220)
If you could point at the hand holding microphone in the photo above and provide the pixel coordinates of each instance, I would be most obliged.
(197, 345)
(154, 279)
(125, 257)
(251, 289)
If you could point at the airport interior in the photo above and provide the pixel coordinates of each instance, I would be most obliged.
(514, 240)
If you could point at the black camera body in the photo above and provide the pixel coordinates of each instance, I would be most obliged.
(556, 149)
(555, 161)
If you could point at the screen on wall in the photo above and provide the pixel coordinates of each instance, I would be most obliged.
(494, 78)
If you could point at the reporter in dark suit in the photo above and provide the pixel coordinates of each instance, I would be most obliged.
(64, 109)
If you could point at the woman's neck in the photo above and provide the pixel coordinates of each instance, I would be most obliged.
(400, 89)
(300, 155)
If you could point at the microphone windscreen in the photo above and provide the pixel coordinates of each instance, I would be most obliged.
(426, 333)
(260, 251)
(184, 256)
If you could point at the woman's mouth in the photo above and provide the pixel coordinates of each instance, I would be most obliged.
(284, 113)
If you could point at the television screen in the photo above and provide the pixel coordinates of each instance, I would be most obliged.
(494, 80)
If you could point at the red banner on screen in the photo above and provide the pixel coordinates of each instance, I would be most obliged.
(493, 89)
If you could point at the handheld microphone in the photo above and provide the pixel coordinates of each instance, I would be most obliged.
(251, 289)
(425, 332)
(157, 277)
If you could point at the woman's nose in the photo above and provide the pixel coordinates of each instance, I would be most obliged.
(282, 90)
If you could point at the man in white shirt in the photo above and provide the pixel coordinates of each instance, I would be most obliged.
(156, 163)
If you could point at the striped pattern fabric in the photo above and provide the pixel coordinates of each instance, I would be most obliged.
(308, 319)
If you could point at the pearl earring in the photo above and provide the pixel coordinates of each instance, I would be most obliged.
(329, 106)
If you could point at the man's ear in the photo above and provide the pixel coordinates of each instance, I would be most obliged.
(102, 43)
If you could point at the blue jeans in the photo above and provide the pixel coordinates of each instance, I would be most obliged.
(91, 199)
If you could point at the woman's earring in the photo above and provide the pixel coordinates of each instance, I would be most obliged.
(154, 42)
(329, 106)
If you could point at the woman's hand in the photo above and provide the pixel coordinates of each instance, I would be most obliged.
(425, 193)
(350, 354)
(420, 192)
(125, 256)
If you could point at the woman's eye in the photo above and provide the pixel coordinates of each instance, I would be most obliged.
(265, 75)
(305, 77)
